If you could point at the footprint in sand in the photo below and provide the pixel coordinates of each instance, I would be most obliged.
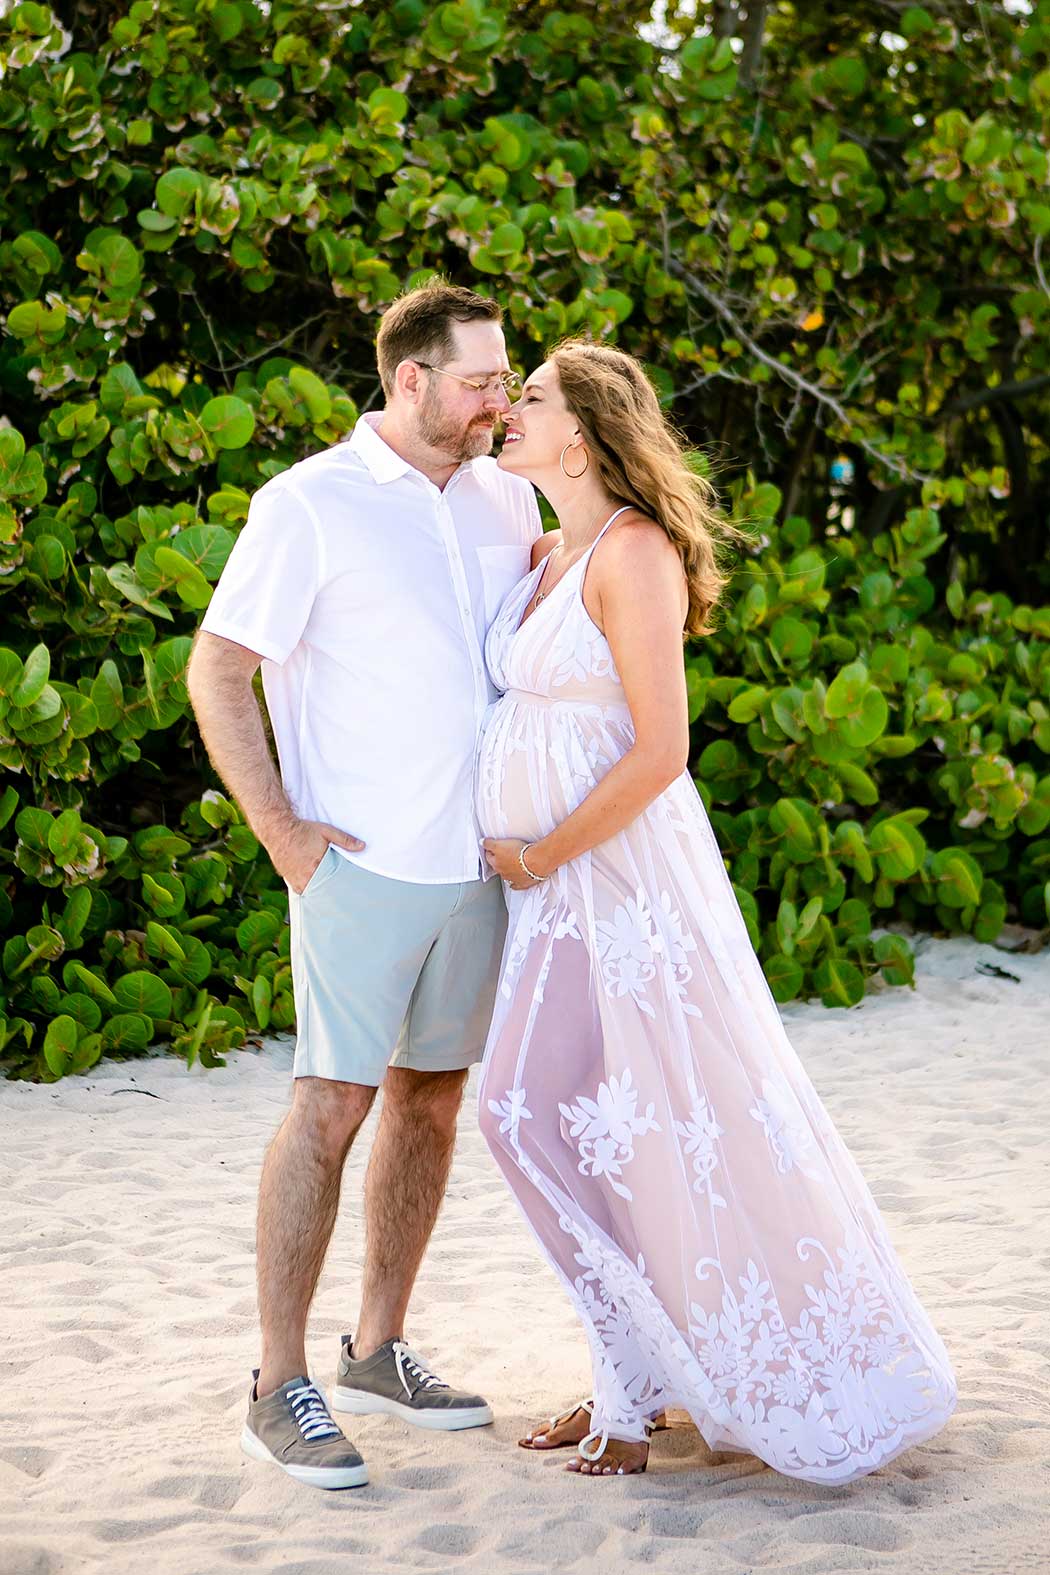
(452, 1541)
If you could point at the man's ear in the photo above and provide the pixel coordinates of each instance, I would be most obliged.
(408, 381)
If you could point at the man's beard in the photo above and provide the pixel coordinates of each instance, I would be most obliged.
(440, 433)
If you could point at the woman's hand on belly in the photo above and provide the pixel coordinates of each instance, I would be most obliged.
(502, 854)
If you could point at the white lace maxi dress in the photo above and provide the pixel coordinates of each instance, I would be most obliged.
(640, 1094)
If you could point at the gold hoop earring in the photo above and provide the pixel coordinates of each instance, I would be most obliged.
(573, 475)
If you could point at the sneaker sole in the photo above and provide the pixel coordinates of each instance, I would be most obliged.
(362, 1403)
(313, 1476)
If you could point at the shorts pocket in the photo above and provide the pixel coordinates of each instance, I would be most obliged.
(324, 871)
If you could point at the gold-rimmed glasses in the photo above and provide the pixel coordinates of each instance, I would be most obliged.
(510, 382)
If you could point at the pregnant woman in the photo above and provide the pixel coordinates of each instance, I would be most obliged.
(638, 1091)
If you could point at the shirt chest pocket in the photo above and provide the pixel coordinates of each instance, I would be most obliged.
(501, 569)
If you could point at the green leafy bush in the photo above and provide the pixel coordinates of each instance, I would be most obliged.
(208, 203)
(870, 754)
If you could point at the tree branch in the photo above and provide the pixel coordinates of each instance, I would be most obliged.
(795, 379)
(799, 464)
(991, 396)
(211, 332)
(1040, 275)
(724, 18)
(267, 350)
(753, 39)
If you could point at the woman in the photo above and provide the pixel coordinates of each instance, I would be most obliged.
(638, 1090)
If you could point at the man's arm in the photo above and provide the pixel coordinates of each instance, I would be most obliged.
(219, 679)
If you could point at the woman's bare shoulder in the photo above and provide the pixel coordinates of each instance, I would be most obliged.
(636, 542)
(636, 556)
(543, 545)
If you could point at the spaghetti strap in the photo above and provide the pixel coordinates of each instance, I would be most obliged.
(586, 559)
(625, 510)
(580, 567)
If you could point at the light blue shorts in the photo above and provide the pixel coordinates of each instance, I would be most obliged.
(392, 973)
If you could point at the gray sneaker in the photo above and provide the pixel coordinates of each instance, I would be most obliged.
(292, 1429)
(394, 1379)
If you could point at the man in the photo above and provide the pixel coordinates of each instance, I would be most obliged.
(364, 582)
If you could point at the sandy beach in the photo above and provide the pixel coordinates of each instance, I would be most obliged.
(128, 1322)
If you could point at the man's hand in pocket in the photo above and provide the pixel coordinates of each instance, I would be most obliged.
(303, 846)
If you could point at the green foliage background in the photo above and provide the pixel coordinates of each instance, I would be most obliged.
(821, 227)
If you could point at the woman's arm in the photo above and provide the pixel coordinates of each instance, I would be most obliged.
(636, 586)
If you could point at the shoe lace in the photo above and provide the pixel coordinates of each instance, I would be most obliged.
(311, 1413)
(406, 1359)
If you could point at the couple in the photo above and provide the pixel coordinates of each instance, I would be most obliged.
(457, 696)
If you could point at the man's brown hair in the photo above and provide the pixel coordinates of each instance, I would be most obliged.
(418, 326)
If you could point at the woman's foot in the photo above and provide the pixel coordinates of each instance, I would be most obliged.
(559, 1432)
(619, 1458)
(572, 1427)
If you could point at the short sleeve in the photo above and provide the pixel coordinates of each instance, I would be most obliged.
(534, 521)
(519, 499)
(267, 590)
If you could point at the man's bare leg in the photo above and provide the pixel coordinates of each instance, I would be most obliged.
(404, 1190)
(298, 1201)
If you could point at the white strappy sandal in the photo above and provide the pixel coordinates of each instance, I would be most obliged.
(586, 1451)
(556, 1421)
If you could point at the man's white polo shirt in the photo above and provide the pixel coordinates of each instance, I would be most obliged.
(368, 593)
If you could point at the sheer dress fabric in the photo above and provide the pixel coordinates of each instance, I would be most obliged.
(657, 1129)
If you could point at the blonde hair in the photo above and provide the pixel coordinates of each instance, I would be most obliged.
(641, 460)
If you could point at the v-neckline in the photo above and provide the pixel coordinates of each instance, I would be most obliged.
(540, 567)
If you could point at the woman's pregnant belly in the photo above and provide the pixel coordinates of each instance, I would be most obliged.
(512, 790)
(537, 763)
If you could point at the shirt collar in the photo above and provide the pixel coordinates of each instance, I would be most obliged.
(384, 464)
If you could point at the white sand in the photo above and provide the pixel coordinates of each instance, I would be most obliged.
(128, 1330)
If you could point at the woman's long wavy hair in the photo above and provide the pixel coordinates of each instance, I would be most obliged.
(641, 460)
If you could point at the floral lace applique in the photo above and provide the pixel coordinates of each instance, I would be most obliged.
(701, 1132)
(812, 1367)
(627, 944)
(678, 943)
(532, 919)
(584, 657)
(788, 1133)
(511, 1109)
(605, 1129)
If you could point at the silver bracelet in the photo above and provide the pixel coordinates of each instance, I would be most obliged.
(530, 873)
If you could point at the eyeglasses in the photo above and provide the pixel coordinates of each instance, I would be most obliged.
(509, 382)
